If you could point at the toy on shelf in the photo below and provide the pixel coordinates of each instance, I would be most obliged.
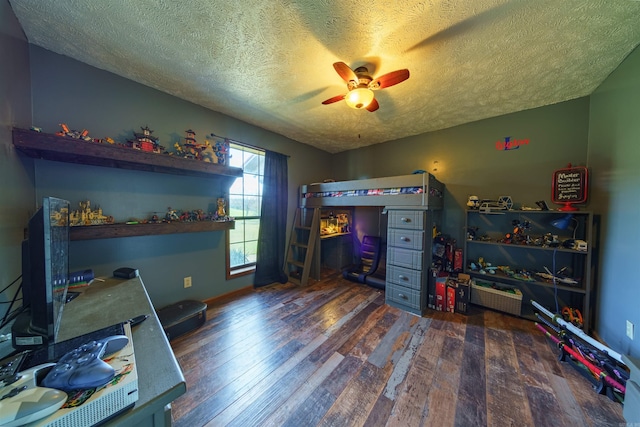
(221, 213)
(483, 267)
(503, 203)
(221, 149)
(87, 216)
(171, 215)
(473, 202)
(145, 141)
(83, 134)
(518, 236)
(191, 149)
(194, 215)
(559, 277)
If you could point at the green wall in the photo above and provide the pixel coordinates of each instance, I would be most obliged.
(466, 160)
(614, 155)
(16, 176)
(67, 91)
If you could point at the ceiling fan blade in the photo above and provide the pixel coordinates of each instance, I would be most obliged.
(345, 72)
(373, 106)
(389, 79)
(334, 99)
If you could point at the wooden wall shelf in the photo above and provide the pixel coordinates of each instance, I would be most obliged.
(64, 149)
(109, 231)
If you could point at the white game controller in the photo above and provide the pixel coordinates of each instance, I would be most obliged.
(24, 401)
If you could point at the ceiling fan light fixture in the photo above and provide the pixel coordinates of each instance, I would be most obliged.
(359, 98)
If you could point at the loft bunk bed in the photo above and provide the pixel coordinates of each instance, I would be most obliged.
(415, 192)
(410, 191)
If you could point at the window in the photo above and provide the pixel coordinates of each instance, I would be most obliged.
(245, 201)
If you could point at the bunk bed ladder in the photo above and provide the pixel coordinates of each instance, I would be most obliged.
(302, 243)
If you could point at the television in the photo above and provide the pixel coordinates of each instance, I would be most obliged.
(45, 276)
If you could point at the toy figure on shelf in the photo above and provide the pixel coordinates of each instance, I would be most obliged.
(199, 215)
(221, 149)
(208, 154)
(178, 150)
(171, 215)
(518, 236)
(145, 141)
(105, 140)
(60, 217)
(86, 216)
(221, 212)
(84, 134)
(473, 202)
(191, 148)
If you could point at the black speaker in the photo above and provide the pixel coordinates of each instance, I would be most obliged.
(125, 273)
(182, 317)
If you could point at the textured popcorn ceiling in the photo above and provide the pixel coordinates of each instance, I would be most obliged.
(269, 62)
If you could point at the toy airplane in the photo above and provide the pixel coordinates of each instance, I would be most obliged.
(557, 278)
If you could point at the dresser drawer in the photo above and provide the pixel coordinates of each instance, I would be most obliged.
(404, 258)
(404, 276)
(408, 239)
(402, 295)
(406, 219)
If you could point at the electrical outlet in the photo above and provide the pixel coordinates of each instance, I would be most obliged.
(187, 282)
(629, 330)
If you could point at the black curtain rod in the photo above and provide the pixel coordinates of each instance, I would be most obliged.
(255, 147)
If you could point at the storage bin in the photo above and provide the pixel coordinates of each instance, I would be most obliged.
(497, 299)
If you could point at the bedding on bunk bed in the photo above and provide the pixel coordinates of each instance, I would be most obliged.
(420, 190)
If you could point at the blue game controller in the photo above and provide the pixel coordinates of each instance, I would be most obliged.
(83, 368)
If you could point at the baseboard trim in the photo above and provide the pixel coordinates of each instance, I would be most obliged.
(229, 295)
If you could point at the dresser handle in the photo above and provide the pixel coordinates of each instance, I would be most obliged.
(404, 239)
(403, 219)
(402, 277)
(402, 296)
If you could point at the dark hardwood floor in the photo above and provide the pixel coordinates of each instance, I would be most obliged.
(334, 354)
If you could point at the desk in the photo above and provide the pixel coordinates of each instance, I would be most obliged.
(160, 378)
(631, 409)
(336, 251)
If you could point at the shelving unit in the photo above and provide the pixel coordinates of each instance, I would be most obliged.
(532, 255)
(63, 149)
(109, 231)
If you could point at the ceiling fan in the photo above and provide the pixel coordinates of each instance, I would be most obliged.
(361, 86)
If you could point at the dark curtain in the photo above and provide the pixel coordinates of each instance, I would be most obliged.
(273, 221)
